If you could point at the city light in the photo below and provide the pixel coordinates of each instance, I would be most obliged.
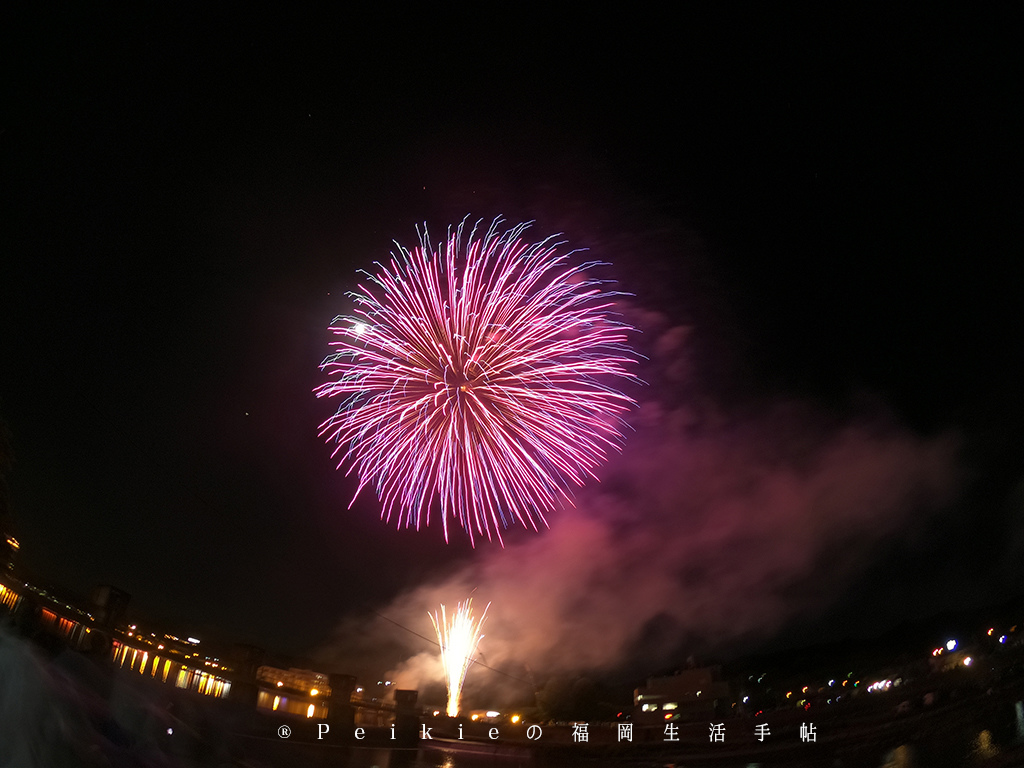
(459, 636)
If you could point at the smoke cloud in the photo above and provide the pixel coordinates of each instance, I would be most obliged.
(709, 531)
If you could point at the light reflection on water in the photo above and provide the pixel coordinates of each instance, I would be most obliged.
(952, 751)
(384, 757)
(901, 757)
(983, 746)
(968, 747)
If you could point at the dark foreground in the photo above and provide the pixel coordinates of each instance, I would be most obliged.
(70, 709)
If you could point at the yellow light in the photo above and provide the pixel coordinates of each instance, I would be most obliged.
(458, 639)
(788, 695)
(309, 711)
(515, 719)
(475, 718)
(277, 701)
(313, 692)
(279, 683)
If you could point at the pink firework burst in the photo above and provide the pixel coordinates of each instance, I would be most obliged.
(475, 380)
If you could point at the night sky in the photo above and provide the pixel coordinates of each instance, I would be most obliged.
(819, 220)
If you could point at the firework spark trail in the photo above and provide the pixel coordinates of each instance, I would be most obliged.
(472, 378)
(458, 638)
